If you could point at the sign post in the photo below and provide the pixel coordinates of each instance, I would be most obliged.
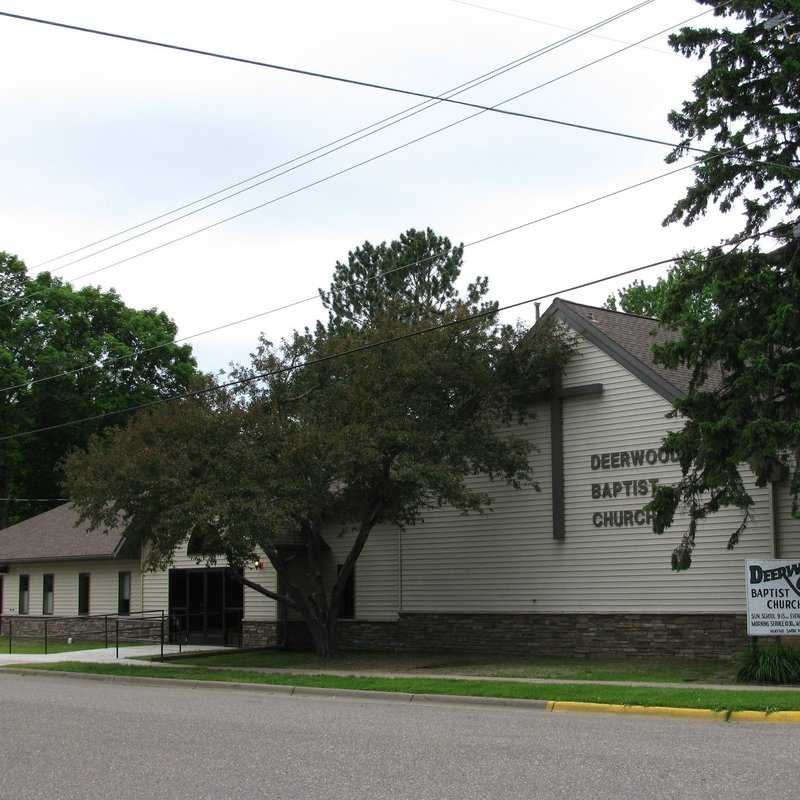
(773, 597)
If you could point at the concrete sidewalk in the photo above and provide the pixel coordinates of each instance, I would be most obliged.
(103, 655)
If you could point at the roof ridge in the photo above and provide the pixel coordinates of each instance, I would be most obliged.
(609, 310)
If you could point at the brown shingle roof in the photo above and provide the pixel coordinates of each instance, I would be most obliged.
(56, 535)
(629, 338)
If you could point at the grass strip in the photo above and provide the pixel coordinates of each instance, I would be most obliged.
(716, 699)
(428, 665)
(22, 646)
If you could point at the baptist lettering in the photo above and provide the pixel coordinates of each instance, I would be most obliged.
(614, 489)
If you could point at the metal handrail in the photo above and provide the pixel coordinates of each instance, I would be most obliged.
(134, 616)
(168, 624)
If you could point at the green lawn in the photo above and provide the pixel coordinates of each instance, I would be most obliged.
(427, 664)
(36, 646)
(717, 699)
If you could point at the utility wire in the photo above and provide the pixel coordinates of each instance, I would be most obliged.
(365, 347)
(355, 81)
(552, 24)
(34, 500)
(481, 108)
(403, 115)
(422, 106)
(225, 56)
(301, 301)
(343, 171)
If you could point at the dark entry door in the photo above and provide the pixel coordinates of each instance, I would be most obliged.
(205, 605)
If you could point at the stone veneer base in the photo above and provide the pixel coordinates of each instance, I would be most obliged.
(690, 636)
(95, 629)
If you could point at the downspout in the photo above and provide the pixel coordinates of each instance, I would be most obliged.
(776, 538)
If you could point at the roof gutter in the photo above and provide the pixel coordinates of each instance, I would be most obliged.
(5, 562)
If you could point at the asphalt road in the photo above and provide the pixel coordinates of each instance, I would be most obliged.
(66, 738)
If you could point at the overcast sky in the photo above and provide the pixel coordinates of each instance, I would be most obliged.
(98, 135)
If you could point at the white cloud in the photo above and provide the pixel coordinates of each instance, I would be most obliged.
(103, 134)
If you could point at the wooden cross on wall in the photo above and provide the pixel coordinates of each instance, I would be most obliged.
(557, 394)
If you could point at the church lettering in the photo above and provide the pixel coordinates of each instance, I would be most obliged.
(622, 519)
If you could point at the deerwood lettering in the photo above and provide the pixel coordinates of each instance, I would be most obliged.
(626, 459)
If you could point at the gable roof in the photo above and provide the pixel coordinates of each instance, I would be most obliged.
(55, 535)
(628, 339)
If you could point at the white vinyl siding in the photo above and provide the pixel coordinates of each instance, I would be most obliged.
(506, 561)
(788, 527)
(103, 593)
(377, 572)
(377, 578)
(155, 586)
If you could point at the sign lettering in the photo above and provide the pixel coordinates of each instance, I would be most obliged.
(773, 597)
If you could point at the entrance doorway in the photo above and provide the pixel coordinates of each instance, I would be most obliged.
(206, 606)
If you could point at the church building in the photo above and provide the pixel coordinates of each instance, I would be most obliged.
(572, 568)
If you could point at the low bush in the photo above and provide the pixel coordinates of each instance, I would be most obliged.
(774, 663)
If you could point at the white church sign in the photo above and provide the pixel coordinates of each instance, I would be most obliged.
(773, 597)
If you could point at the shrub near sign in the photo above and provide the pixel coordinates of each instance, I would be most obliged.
(773, 597)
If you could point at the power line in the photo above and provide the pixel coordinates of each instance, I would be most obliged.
(422, 106)
(308, 299)
(34, 499)
(350, 168)
(552, 24)
(376, 128)
(363, 348)
(227, 57)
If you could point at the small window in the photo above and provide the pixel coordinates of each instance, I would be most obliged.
(84, 590)
(347, 606)
(124, 597)
(24, 594)
(48, 601)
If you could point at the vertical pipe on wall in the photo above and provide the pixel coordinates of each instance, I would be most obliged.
(776, 536)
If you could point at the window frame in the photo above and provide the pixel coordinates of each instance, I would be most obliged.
(88, 577)
(24, 608)
(52, 594)
(124, 576)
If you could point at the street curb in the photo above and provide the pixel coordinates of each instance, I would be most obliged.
(557, 706)
(296, 691)
(644, 711)
(683, 713)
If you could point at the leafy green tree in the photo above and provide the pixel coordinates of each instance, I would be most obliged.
(48, 328)
(315, 444)
(735, 313)
(649, 300)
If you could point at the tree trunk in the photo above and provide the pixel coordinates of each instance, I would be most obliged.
(4, 490)
(323, 635)
(318, 607)
(321, 617)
